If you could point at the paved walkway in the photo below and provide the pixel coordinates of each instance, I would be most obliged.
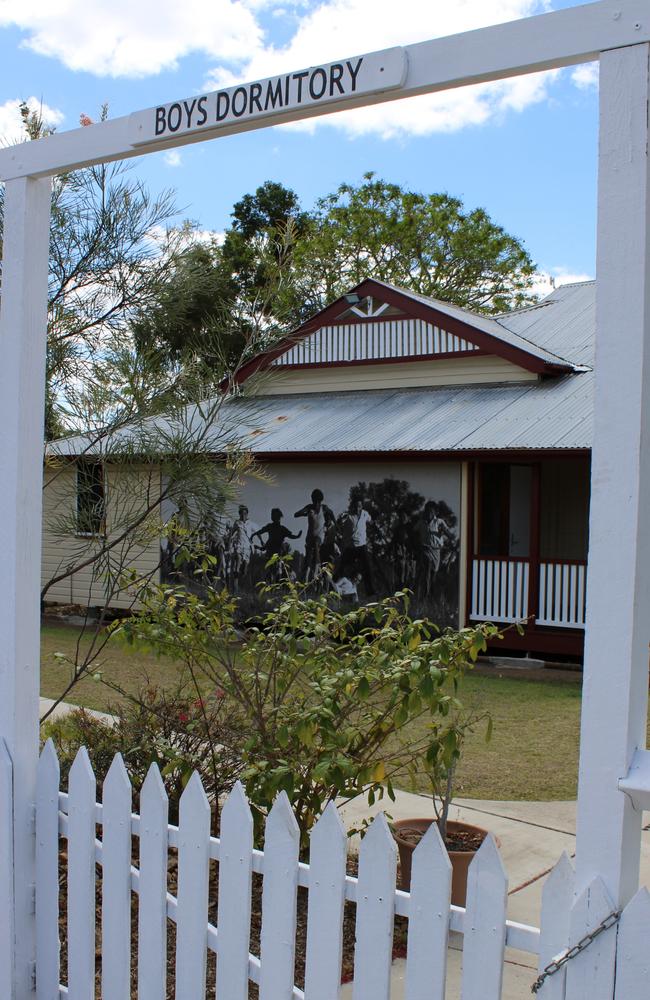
(64, 707)
(532, 835)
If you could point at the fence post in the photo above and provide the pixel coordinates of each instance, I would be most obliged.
(615, 687)
(23, 335)
(615, 690)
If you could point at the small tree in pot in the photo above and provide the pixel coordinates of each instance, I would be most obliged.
(462, 840)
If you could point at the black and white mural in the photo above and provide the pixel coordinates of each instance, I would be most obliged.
(362, 530)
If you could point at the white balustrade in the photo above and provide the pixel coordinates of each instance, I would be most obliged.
(562, 594)
(500, 590)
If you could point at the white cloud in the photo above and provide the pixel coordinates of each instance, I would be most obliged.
(122, 38)
(546, 281)
(343, 27)
(173, 158)
(11, 126)
(586, 76)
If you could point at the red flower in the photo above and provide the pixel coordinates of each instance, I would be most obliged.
(220, 693)
(183, 716)
(85, 120)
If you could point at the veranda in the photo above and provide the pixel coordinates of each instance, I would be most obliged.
(615, 766)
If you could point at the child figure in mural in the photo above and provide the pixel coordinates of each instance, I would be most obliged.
(354, 557)
(402, 551)
(434, 536)
(276, 540)
(240, 548)
(347, 588)
(319, 521)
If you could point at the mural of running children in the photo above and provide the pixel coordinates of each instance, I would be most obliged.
(387, 538)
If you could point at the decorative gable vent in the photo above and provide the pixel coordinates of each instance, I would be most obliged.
(369, 308)
(378, 341)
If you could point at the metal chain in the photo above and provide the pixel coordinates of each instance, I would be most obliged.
(565, 956)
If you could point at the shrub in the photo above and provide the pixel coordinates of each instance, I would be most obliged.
(325, 694)
(174, 728)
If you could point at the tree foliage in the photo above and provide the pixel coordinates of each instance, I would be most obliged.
(227, 298)
(429, 244)
(111, 250)
(283, 264)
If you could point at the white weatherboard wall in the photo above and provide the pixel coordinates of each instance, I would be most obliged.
(129, 491)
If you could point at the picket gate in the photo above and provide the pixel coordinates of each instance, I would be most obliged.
(102, 834)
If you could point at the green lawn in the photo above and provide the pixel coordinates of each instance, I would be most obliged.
(533, 752)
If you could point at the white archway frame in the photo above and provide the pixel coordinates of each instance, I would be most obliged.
(614, 764)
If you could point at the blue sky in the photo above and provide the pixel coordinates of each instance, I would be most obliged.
(525, 150)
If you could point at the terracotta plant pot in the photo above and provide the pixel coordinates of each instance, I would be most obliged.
(460, 860)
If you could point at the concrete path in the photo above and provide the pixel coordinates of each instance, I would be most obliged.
(532, 836)
(64, 707)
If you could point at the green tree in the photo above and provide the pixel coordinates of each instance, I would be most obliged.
(427, 243)
(223, 298)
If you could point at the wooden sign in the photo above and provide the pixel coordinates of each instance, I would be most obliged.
(289, 93)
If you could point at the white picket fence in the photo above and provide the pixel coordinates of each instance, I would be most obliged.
(76, 816)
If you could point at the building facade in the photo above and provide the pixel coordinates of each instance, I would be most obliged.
(409, 443)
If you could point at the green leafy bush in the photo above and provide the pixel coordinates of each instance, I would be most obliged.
(324, 694)
(175, 729)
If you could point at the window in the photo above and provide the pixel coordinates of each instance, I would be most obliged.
(90, 498)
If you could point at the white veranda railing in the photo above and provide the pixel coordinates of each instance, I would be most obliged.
(76, 816)
(562, 594)
(500, 589)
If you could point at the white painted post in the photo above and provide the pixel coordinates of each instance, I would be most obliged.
(485, 924)
(193, 881)
(633, 955)
(375, 913)
(234, 907)
(615, 690)
(557, 900)
(426, 957)
(47, 875)
(116, 883)
(590, 975)
(23, 330)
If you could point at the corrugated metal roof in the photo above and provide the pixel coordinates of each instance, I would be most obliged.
(564, 322)
(551, 413)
